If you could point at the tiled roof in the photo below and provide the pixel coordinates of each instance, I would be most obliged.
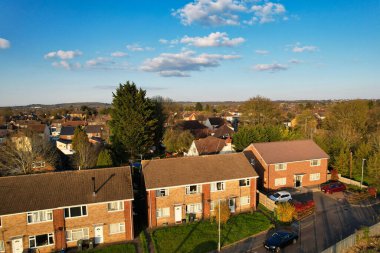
(93, 129)
(196, 170)
(209, 145)
(223, 131)
(216, 121)
(59, 189)
(289, 151)
(37, 128)
(67, 130)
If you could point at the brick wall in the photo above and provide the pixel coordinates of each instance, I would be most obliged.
(59, 226)
(206, 200)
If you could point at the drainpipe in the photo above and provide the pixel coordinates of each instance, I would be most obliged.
(150, 209)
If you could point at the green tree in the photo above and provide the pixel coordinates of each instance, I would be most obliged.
(133, 125)
(104, 158)
(198, 106)
(260, 110)
(85, 153)
(225, 212)
(342, 162)
(373, 168)
(177, 141)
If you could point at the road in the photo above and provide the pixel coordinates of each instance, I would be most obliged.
(333, 221)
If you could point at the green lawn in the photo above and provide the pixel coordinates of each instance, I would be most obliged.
(203, 236)
(124, 248)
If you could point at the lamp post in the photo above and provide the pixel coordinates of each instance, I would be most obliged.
(219, 225)
(361, 182)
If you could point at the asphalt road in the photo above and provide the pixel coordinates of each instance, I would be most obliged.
(333, 221)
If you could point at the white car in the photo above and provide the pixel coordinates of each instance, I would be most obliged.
(281, 196)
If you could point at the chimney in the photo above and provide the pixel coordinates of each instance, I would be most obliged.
(93, 184)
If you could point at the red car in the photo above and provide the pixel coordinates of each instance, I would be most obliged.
(333, 187)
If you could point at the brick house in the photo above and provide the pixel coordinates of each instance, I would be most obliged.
(288, 163)
(179, 187)
(210, 145)
(51, 211)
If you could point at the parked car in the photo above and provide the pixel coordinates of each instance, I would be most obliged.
(280, 239)
(281, 196)
(333, 187)
(328, 182)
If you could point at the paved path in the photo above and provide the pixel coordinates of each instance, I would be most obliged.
(333, 221)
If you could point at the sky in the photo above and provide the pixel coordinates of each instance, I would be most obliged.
(202, 50)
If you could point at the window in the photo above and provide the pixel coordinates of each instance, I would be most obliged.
(38, 164)
(162, 192)
(244, 182)
(163, 212)
(75, 211)
(245, 200)
(280, 181)
(115, 206)
(193, 189)
(315, 176)
(41, 240)
(77, 234)
(316, 162)
(2, 248)
(194, 208)
(280, 166)
(40, 216)
(117, 228)
(218, 186)
(213, 204)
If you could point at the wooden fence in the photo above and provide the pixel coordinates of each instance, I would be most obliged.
(265, 201)
(351, 240)
(346, 180)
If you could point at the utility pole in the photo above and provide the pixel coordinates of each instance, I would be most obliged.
(219, 225)
(350, 166)
(361, 182)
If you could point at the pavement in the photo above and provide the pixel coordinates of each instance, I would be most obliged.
(334, 220)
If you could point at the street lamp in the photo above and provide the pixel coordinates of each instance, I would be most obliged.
(361, 182)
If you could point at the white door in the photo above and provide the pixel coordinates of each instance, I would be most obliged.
(178, 213)
(98, 234)
(17, 246)
(231, 204)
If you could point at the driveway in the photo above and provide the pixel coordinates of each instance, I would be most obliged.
(333, 220)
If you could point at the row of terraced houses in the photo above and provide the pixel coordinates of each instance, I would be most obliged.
(52, 211)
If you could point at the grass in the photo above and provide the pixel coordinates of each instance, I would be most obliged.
(144, 243)
(266, 211)
(125, 248)
(203, 236)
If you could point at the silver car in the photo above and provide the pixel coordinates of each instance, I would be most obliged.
(281, 196)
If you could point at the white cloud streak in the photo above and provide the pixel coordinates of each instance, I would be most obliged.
(4, 44)
(119, 54)
(262, 52)
(216, 39)
(274, 67)
(137, 48)
(297, 48)
(66, 65)
(63, 55)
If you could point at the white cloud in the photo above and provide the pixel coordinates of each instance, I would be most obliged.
(180, 64)
(229, 12)
(66, 65)
(105, 63)
(170, 42)
(137, 48)
(295, 61)
(262, 52)
(297, 48)
(64, 55)
(216, 39)
(274, 67)
(4, 44)
(119, 54)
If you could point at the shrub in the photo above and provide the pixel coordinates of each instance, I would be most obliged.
(285, 212)
(224, 212)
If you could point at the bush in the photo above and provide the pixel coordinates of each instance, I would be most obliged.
(144, 243)
(285, 212)
(224, 212)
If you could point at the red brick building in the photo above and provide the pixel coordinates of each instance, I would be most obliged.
(180, 187)
(288, 163)
(51, 211)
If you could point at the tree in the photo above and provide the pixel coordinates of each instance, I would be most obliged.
(161, 113)
(334, 175)
(85, 153)
(306, 123)
(104, 159)
(133, 126)
(198, 106)
(285, 212)
(224, 212)
(260, 110)
(177, 141)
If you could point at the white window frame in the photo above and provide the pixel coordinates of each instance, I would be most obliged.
(194, 208)
(314, 177)
(81, 209)
(164, 192)
(39, 215)
(81, 230)
(247, 182)
(38, 164)
(315, 165)
(276, 181)
(247, 200)
(198, 190)
(119, 206)
(163, 212)
(214, 187)
(2, 246)
(50, 236)
(278, 165)
(120, 228)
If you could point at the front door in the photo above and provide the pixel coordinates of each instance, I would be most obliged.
(98, 234)
(178, 213)
(231, 204)
(297, 181)
(17, 246)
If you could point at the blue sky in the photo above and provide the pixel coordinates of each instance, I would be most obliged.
(207, 50)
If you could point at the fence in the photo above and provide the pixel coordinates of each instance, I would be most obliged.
(347, 180)
(265, 201)
(352, 239)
